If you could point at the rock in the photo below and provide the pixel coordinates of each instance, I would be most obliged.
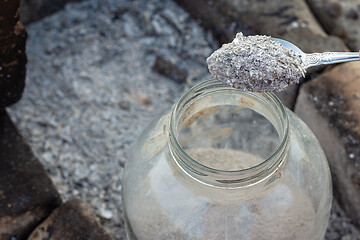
(12, 51)
(73, 220)
(339, 18)
(170, 70)
(214, 16)
(26, 192)
(125, 105)
(32, 10)
(339, 225)
(330, 105)
(288, 96)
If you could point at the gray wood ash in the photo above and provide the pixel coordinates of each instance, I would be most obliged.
(91, 90)
(256, 63)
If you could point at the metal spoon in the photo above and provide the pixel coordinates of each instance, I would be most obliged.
(315, 59)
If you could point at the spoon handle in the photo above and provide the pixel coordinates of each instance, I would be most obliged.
(315, 59)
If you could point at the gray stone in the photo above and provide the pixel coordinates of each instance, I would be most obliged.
(340, 226)
(288, 96)
(339, 18)
(125, 105)
(330, 105)
(73, 220)
(169, 69)
(216, 16)
(26, 192)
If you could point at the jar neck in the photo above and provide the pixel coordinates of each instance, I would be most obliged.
(267, 104)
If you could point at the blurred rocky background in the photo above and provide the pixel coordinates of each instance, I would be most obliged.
(98, 71)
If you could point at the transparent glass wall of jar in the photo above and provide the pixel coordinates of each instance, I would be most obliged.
(226, 164)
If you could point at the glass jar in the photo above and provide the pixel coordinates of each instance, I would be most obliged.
(226, 164)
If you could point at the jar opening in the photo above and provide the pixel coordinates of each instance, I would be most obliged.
(219, 134)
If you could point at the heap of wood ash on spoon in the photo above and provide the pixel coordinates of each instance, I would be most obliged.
(256, 63)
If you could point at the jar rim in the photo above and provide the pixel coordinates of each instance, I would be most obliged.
(228, 178)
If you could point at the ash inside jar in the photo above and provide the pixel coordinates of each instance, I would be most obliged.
(256, 63)
(183, 214)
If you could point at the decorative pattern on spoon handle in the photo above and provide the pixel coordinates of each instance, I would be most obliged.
(315, 59)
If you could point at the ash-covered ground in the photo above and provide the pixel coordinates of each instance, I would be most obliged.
(91, 88)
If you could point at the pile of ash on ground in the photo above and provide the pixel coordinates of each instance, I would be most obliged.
(93, 84)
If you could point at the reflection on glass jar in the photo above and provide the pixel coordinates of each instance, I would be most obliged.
(226, 164)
